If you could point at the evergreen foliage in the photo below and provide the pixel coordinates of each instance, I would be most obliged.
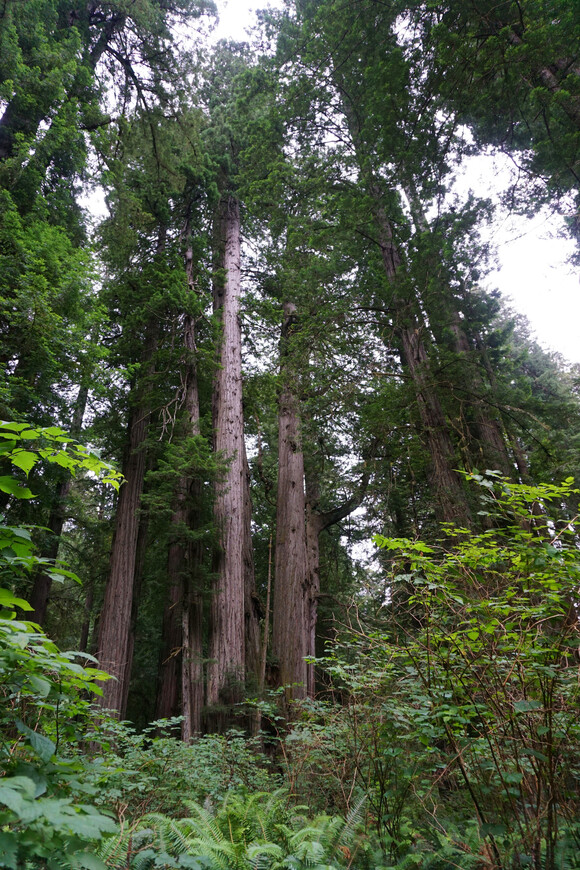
(350, 381)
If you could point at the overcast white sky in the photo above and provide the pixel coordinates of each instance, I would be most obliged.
(533, 273)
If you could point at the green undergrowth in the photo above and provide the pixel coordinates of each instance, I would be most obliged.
(446, 736)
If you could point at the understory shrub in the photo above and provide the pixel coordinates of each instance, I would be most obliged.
(458, 708)
(151, 772)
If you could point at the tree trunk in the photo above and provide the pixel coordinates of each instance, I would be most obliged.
(317, 522)
(138, 572)
(290, 623)
(252, 604)
(490, 446)
(172, 650)
(313, 529)
(445, 481)
(181, 677)
(192, 657)
(115, 623)
(226, 669)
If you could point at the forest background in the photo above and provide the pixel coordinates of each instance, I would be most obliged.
(279, 333)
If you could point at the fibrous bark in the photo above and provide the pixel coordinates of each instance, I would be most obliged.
(181, 673)
(226, 669)
(115, 623)
(444, 479)
(446, 484)
(290, 625)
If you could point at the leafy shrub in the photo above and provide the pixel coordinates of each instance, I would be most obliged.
(150, 772)
(463, 704)
(46, 815)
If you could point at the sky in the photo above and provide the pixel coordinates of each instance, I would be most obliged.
(532, 274)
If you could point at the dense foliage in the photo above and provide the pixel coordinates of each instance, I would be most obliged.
(278, 335)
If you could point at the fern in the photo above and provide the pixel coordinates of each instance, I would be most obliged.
(246, 832)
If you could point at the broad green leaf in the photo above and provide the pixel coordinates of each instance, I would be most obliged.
(24, 459)
(64, 460)
(59, 574)
(41, 686)
(535, 753)
(43, 747)
(7, 599)
(87, 861)
(12, 487)
(53, 431)
(9, 849)
(525, 706)
(13, 427)
(16, 793)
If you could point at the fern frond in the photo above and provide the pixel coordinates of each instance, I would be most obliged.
(204, 821)
(353, 822)
(262, 855)
(145, 860)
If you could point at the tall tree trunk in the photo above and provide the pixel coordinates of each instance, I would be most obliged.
(290, 628)
(168, 696)
(445, 481)
(313, 529)
(181, 676)
(290, 622)
(316, 522)
(226, 669)
(138, 574)
(252, 604)
(42, 581)
(491, 446)
(113, 647)
(192, 655)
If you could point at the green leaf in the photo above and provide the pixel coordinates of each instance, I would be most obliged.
(41, 686)
(58, 574)
(15, 790)
(525, 706)
(64, 460)
(87, 861)
(24, 459)
(535, 753)
(13, 427)
(9, 849)
(43, 747)
(493, 830)
(12, 487)
(7, 599)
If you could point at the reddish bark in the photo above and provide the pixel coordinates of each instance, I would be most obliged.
(290, 613)
(114, 641)
(445, 481)
(181, 671)
(226, 669)
(181, 678)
